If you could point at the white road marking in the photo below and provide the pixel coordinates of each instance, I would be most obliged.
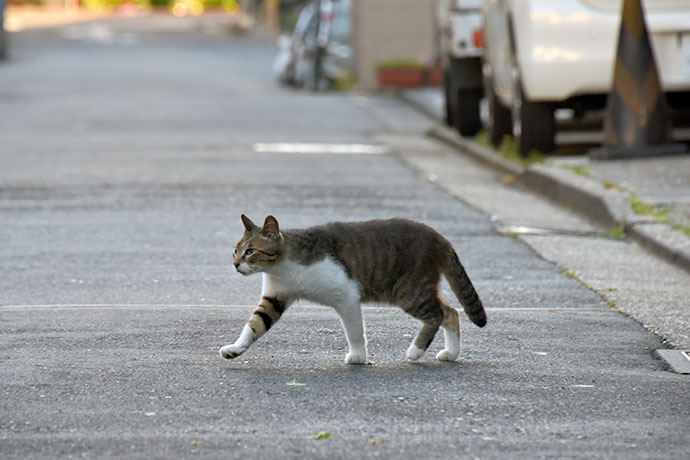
(320, 148)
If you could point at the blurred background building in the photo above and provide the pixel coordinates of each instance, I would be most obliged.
(366, 33)
(390, 30)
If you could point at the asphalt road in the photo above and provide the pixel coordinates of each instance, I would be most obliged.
(127, 157)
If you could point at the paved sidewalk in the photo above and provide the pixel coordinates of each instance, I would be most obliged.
(647, 198)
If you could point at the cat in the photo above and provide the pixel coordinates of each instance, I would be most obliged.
(343, 264)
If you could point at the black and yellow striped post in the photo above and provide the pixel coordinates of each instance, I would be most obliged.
(637, 121)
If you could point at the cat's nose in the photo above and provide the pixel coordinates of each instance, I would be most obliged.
(236, 265)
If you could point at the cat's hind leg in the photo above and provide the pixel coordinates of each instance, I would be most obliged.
(451, 333)
(430, 312)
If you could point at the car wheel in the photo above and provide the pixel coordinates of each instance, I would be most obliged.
(467, 119)
(534, 125)
(462, 98)
(449, 118)
(498, 122)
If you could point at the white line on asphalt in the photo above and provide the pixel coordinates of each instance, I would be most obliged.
(117, 305)
(314, 148)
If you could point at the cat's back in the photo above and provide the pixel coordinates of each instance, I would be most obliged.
(375, 253)
(380, 231)
(370, 234)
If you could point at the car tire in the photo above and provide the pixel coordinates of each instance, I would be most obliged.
(462, 97)
(498, 120)
(467, 120)
(449, 117)
(534, 124)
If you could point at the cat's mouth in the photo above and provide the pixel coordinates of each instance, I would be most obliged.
(244, 270)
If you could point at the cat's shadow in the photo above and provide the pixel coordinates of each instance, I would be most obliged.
(372, 367)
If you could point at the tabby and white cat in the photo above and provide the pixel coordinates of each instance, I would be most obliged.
(396, 261)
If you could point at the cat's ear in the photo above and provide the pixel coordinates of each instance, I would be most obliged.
(270, 227)
(249, 226)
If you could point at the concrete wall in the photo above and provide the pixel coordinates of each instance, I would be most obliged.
(389, 29)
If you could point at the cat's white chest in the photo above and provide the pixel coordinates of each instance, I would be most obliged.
(325, 282)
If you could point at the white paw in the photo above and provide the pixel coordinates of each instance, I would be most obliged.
(414, 353)
(356, 357)
(445, 355)
(232, 351)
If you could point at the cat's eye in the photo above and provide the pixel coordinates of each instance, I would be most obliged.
(248, 252)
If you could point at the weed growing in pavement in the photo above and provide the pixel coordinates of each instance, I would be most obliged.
(509, 151)
(682, 229)
(617, 232)
(640, 207)
(613, 185)
(509, 233)
(610, 303)
(580, 170)
(567, 272)
(571, 274)
(658, 212)
(482, 138)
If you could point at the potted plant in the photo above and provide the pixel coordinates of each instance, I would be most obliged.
(401, 73)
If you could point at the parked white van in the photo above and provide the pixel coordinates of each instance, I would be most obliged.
(540, 55)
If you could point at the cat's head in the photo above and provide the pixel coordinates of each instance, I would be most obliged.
(259, 248)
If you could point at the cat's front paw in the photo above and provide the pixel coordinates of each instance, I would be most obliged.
(232, 351)
(356, 357)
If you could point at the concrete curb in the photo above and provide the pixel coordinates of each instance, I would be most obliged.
(478, 151)
(608, 207)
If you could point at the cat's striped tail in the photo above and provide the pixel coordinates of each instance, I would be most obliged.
(462, 287)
